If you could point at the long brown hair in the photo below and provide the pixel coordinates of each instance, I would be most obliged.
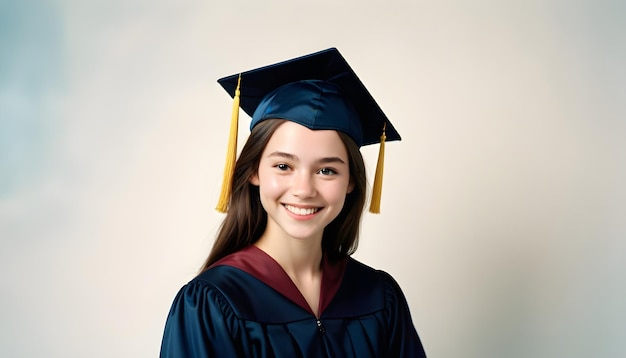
(246, 219)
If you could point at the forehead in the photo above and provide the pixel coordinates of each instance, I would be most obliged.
(294, 138)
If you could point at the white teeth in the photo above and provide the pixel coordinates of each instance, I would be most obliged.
(301, 211)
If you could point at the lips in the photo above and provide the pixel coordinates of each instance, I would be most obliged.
(301, 211)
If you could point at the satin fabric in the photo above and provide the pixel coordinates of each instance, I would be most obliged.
(318, 90)
(228, 312)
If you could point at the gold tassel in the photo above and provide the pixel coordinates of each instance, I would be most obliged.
(377, 188)
(231, 154)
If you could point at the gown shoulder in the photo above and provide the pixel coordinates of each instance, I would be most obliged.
(227, 312)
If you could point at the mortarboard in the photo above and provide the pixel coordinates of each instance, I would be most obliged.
(319, 91)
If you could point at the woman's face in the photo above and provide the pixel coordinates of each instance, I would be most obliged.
(303, 180)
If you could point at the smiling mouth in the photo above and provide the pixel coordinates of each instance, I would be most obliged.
(301, 211)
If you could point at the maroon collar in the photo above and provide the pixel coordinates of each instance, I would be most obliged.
(262, 266)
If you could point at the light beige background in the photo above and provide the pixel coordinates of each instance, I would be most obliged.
(503, 207)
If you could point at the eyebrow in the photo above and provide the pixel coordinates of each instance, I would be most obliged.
(295, 158)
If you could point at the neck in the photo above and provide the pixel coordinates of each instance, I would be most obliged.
(297, 257)
(301, 258)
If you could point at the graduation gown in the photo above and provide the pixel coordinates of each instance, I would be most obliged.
(246, 305)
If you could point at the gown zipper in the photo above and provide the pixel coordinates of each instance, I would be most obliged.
(320, 326)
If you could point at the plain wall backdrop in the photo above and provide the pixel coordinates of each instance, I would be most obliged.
(504, 208)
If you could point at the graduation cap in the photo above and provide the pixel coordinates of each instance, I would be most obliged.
(318, 91)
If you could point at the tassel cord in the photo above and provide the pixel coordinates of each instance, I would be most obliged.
(231, 154)
(377, 188)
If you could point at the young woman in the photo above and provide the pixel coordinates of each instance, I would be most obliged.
(279, 281)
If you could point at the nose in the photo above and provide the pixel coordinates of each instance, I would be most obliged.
(303, 186)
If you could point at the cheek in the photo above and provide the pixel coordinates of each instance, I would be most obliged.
(337, 192)
(270, 186)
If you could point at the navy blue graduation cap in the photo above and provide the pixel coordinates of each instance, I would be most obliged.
(318, 91)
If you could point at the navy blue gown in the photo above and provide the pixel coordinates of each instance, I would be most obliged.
(246, 305)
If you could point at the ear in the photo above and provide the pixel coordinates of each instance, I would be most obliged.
(350, 187)
(254, 179)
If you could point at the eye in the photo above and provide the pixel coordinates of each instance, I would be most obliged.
(327, 171)
(282, 166)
